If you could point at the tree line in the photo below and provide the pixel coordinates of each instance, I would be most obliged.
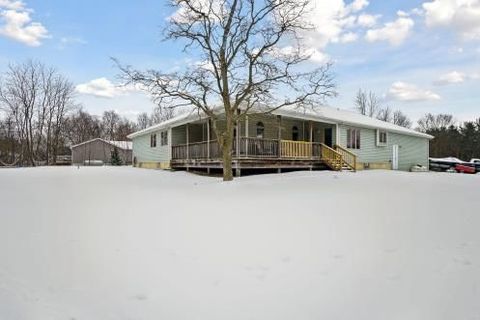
(40, 118)
(451, 139)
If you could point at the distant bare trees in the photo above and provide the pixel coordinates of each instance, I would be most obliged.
(368, 104)
(36, 99)
(158, 115)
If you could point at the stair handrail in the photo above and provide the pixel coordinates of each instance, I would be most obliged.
(349, 158)
(331, 157)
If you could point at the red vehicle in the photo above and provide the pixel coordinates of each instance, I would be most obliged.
(464, 168)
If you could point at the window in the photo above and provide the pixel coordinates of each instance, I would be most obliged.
(295, 133)
(353, 138)
(164, 138)
(382, 137)
(260, 130)
(153, 140)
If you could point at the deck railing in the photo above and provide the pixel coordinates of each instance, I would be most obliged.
(258, 148)
(267, 148)
(296, 149)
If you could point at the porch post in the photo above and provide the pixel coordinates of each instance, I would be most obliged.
(237, 146)
(279, 120)
(208, 138)
(187, 132)
(311, 132)
(246, 136)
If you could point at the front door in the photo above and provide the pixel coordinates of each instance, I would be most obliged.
(395, 157)
(328, 137)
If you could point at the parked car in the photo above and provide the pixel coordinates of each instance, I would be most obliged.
(452, 163)
(464, 168)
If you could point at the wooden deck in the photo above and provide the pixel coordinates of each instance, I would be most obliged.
(256, 153)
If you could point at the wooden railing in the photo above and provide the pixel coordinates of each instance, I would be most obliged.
(335, 157)
(296, 149)
(331, 157)
(349, 158)
(197, 150)
(258, 148)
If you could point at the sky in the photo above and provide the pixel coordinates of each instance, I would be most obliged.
(419, 56)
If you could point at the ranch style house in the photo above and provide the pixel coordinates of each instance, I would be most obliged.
(324, 138)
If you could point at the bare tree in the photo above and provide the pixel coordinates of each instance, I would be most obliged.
(250, 55)
(110, 122)
(361, 101)
(401, 119)
(36, 98)
(385, 114)
(431, 122)
(367, 103)
(161, 113)
(143, 121)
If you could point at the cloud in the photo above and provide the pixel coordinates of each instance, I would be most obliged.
(461, 15)
(103, 88)
(402, 91)
(451, 78)
(367, 20)
(394, 32)
(348, 37)
(18, 25)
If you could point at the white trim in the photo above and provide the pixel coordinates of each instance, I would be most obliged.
(377, 138)
(320, 114)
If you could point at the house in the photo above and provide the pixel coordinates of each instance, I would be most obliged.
(283, 139)
(101, 150)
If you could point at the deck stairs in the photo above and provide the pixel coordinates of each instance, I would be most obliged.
(338, 158)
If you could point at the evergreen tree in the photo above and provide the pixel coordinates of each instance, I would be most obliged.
(115, 159)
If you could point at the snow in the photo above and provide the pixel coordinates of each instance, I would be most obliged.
(447, 159)
(319, 113)
(123, 243)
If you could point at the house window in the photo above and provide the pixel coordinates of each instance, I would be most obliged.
(295, 133)
(382, 138)
(260, 130)
(164, 138)
(353, 138)
(153, 140)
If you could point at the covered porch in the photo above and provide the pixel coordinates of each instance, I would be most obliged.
(262, 141)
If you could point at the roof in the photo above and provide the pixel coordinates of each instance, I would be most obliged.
(125, 145)
(321, 114)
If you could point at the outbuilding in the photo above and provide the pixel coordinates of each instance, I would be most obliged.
(100, 151)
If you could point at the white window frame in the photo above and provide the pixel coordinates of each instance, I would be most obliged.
(379, 133)
(164, 138)
(153, 140)
(354, 135)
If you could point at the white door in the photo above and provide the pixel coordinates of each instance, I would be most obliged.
(395, 157)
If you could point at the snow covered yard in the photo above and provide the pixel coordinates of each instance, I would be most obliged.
(124, 243)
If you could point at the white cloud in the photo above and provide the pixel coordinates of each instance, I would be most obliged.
(357, 5)
(461, 15)
(348, 37)
(402, 91)
(451, 78)
(394, 32)
(18, 25)
(103, 88)
(367, 20)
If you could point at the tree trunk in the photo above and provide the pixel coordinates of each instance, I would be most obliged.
(226, 143)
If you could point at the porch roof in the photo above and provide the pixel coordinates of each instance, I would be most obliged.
(320, 114)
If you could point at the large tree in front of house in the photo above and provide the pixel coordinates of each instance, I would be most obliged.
(252, 57)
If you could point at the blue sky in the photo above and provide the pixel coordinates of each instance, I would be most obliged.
(419, 56)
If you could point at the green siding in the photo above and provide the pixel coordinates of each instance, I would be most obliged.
(144, 153)
(412, 150)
